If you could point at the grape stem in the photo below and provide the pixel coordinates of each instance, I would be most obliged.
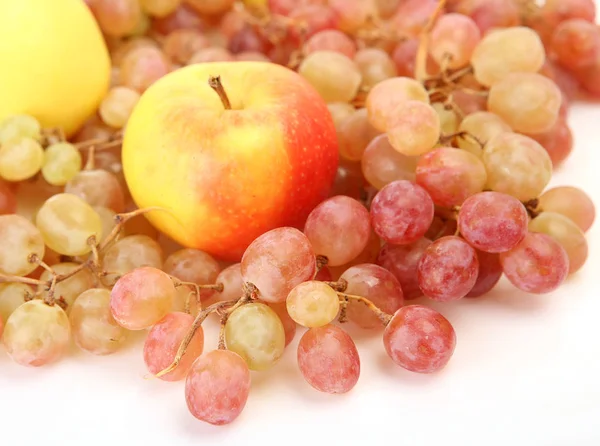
(423, 50)
(382, 315)
(218, 287)
(27, 280)
(322, 262)
(221, 345)
(340, 285)
(215, 83)
(532, 207)
(89, 165)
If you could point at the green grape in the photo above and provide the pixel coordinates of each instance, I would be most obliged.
(20, 159)
(62, 161)
(20, 126)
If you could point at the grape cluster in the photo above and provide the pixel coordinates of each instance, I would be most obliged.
(450, 116)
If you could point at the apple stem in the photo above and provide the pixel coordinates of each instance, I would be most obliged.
(215, 84)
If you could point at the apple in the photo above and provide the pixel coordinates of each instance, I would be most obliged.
(253, 150)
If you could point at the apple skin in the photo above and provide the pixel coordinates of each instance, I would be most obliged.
(228, 176)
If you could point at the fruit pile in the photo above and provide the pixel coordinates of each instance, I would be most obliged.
(450, 118)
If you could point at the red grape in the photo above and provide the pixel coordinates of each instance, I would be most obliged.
(331, 40)
(490, 271)
(558, 141)
(576, 43)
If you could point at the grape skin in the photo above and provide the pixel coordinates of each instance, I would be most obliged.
(419, 339)
(20, 159)
(331, 40)
(454, 36)
(414, 128)
(328, 359)
(381, 164)
(490, 272)
(289, 325)
(12, 296)
(68, 290)
(195, 266)
(558, 141)
(20, 126)
(483, 126)
(98, 188)
(129, 253)
(313, 304)
(217, 387)
(375, 66)
(231, 278)
(62, 161)
(571, 202)
(19, 239)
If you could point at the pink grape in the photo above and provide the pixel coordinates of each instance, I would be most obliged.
(419, 339)
(375, 65)
(217, 387)
(454, 37)
(353, 14)
(194, 266)
(558, 141)
(163, 341)
(141, 298)
(450, 175)
(381, 164)
(339, 229)
(571, 202)
(490, 14)
(576, 43)
(277, 261)
(376, 284)
(414, 128)
(328, 359)
(490, 271)
(231, 278)
(493, 222)
(403, 261)
(331, 40)
(538, 264)
(405, 56)
(401, 212)
(448, 269)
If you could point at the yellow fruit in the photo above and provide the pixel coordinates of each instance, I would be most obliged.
(55, 65)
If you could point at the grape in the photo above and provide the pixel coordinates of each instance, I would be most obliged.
(117, 18)
(528, 102)
(449, 120)
(12, 296)
(20, 126)
(217, 387)
(311, 18)
(141, 298)
(490, 271)
(565, 232)
(67, 222)
(129, 253)
(339, 229)
(99, 188)
(412, 15)
(492, 14)
(159, 8)
(335, 76)
(331, 40)
(289, 325)
(313, 304)
(231, 278)
(67, 290)
(401, 212)
(571, 202)
(8, 200)
(576, 43)
(354, 134)
(368, 255)
(419, 339)
(20, 239)
(381, 164)
(143, 66)
(450, 176)
(107, 217)
(352, 14)
(588, 77)
(163, 341)
(20, 159)
(247, 39)
(387, 8)
(386, 96)
(483, 126)
(538, 264)
(414, 128)
(554, 12)
(277, 261)
(213, 54)
(36, 334)
(255, 332)
(328, 359)
(511, 50)
(62, 161)
(182, 44)
(117, 105)
(94, 328)
(192, 265)
(453, 38)
(210, 7)
(448, 269)
(492, 221)
(517, 165)
(375, 284)
(558, 141)
(405, 56)
(183, 17)
(402, 261)
(375, 66)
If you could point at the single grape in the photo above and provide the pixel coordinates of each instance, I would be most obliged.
(159, 8)
(339, 229)
(453, 39)
(217, 387)
(192, 265)
(448, 269)
(490, 15)
(212, 54)
(576, 43)
(511, 50)
(248, 39)
(516, 165)
(20, 126)
(387, 95)
(163, 341)
(481, 127)
(538, 264)
(450, 176)
(558, 141)
(493, 222)
(277, 261)
(255, 332)
(129, 253)
(412, 16)
(335, 76)
(419, 339)
(571, 202)
(375, 66)
(565, 232)
(94, 328)
(20, 239)
(331, 40)
(99, 188)
(328, 359)
(352, 14)
(414, 128)
(36, 334)
(401, 212)
(368, 255)
(69, 289)
(375, 284)
(528, 102)
(12, 296)
(313, 304)
(117, 18)
(141, 298)
(182, 44)
(142, 67)
(62, 162)
(382, 164)
(354, 135)
(117, 105)
(289, 324)
(553, 12)
(20, 159)
(314, 17)
(490, 272)
(231, 278)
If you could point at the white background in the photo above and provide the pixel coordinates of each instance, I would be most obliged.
(526, 371)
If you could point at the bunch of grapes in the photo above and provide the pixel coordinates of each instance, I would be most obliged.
(451, 117)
